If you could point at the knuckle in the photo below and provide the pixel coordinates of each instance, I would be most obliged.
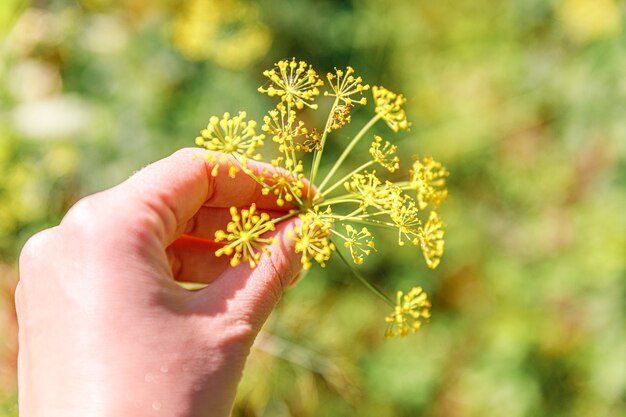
(83, 213)
(37, 246)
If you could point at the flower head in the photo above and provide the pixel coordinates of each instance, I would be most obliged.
(294, 82)
(408, 314)
(430, 239)
(243, 235)
(312, 238)
(428, 179)
(371, 191)
(385, 154)
(284, 184)
(281, 124)
(389, 107)
(344, 85)
(230, 136)
(340, 117)
(360, 243)
(405, 218)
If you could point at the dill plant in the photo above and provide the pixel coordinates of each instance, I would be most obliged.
(333, 211)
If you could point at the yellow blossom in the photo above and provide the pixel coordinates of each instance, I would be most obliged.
(312, 238)
(281, 124)
(285, 184)
(405, 218)
(294, 82)
(340, 117)
(408, 313)
(428, 179)
(389, 107)
(230, 136)
(430, 239)
(243, 235)
(385, 155)
(344, 85)
(360, 243)
(371, 191)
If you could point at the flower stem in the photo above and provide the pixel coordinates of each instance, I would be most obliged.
(292, 213)
(341, 181)
(317, 157)
(346, 151)
(364, 281)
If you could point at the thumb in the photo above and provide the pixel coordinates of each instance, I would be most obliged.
(252, 293)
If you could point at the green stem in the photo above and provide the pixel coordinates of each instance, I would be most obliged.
(345, 153)
(366, 222)
(317, 157)
(341, 181)
(365, 282)
(338, 201)
(292, 213)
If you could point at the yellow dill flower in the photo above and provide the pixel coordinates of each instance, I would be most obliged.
(230, 136)
(405, 218)
(294, 82)
(281, 124)
(344, 84)
(389, 107)
(243, 235)
(428, 179)
(340, 117)
(312, 238)
(313, 142)
(371, 191)
(360, 243)
(430, 239)
(285, 184)
(408, 314)
(385, 155)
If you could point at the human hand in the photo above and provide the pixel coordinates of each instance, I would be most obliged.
(104, 329)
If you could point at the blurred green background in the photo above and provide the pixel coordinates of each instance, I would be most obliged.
(523, 101)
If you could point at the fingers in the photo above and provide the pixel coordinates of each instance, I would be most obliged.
(160, 199)
(251, 294)
(193, 260)
(208, 220)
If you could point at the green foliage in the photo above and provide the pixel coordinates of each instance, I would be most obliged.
(522, 101)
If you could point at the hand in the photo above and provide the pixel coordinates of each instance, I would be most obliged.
(104, 329)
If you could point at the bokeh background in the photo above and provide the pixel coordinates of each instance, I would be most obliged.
(523, 101)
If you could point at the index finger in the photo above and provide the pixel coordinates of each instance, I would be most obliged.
(176, 187)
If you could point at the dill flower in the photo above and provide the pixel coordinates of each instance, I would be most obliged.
(389, 107)
(281, 124)
(230, 136)
(406, 220)
(430, 239)
(371, 191)
(428, 179)
(344, 85)
(296, 83)
(286, 185)
(385, 155)
(243, 235)
(408, 313)
(312, 238)
(360, 243)
(341, 117)
(366, 199)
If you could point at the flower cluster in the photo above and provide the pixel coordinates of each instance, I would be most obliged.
(338, 212)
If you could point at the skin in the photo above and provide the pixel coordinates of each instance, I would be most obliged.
(104, 328)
